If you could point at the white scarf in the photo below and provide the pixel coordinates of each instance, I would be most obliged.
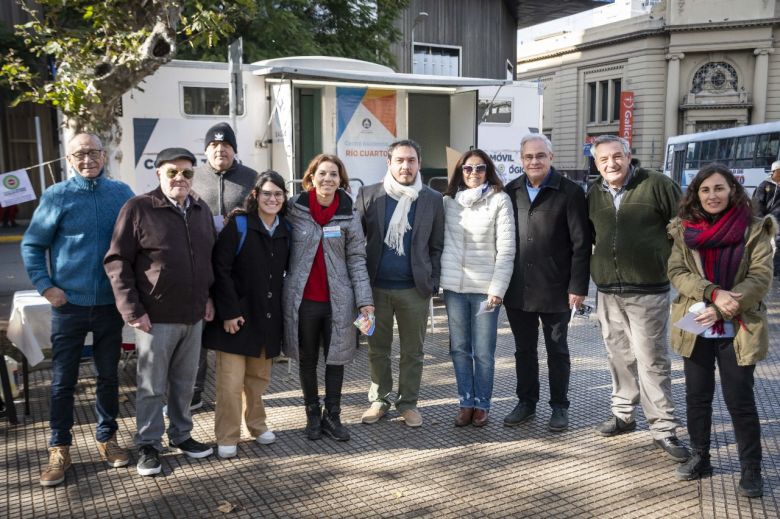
(469, 197)
(399, 222)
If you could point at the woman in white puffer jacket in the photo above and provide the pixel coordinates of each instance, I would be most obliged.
(479, 250)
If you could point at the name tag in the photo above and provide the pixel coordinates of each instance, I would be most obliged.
(331, 232)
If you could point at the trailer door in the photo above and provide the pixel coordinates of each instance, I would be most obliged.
(463, 120)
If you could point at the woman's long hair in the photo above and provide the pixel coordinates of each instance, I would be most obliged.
(690, 205)
(456, 181)
(308, 183)
(250, 202)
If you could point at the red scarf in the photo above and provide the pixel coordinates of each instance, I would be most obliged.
(317, 286)
(721, 246)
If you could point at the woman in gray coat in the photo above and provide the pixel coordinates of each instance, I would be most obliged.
(326, 282)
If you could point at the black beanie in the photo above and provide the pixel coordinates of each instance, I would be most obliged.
(221, 132)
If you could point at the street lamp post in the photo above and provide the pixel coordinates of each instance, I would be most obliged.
(422, 15)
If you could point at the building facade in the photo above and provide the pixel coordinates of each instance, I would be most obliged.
(686, 66)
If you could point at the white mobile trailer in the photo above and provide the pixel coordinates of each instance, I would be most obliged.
(297, 107)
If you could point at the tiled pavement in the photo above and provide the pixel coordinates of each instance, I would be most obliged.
(390, 470)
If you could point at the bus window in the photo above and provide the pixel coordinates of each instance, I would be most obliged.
(669, 157)
(744, 151)
(725, 152)
(709, 151)
(767, 148)
(692, 155)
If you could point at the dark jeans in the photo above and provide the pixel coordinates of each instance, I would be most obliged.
(69, 327)
(314, 328)
(737, 385)
(525, 328)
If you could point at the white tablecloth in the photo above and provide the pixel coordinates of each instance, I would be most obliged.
(29, 328)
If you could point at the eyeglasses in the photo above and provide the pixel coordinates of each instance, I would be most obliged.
(267, 195)
(92, 154)
(539, 156)
(479, 169)
(186, 173)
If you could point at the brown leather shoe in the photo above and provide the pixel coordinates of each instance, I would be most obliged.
(480, 418)
(464, 416)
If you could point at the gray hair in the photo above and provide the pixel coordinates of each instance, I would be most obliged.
(536, 137)
(602, 139)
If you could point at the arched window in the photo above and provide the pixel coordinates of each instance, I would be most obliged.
(715, 77)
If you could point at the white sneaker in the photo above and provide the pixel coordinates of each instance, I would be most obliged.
(227, 451)
(267, 438)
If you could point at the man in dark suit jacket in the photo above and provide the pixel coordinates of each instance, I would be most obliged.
(404, 226)
(549, 279)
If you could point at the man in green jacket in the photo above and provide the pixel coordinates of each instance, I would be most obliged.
(629, 210)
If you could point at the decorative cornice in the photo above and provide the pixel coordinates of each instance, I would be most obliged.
(716, 106)
(647, 33)
(607, 68)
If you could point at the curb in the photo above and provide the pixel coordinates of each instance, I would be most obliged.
(11, 239)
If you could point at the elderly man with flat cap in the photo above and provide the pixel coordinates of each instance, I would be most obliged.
(766, 200)
(223, 183)
(159, 265)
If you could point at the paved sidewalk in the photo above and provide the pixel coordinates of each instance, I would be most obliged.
(390, 470)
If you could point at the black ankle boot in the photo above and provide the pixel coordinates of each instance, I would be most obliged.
(313, 426)
(331, 424)
(698, 465)
(751, 484)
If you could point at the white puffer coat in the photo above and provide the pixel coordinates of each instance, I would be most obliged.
(479, 245)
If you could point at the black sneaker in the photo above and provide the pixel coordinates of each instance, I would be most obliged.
(559, 420)
(521, 413)
(196, 403)
(751, 484)
(148, 461)
(331, 425)
(614, 425)
(193, 449)
(674, 448)
(697, 466)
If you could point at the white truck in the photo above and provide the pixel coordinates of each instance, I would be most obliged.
(294, 108)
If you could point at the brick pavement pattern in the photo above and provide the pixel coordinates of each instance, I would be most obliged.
(390, 470)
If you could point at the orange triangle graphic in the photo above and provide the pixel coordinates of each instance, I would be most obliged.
(381, 103)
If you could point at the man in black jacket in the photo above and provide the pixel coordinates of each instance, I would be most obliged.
(766, 200)
(550, 276)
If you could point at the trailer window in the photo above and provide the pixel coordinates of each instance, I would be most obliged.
(209, 101)
(497, 112)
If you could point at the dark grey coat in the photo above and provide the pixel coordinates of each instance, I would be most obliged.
(345, 262)
(553, 245)
(427, 234)
(234, 184)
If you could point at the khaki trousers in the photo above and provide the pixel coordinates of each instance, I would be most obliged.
(241, 382)
(634, 327)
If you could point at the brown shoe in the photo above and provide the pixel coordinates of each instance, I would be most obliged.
(464, 416)
(59, 462)
(480, 418)
(412, 417)
(112, 453)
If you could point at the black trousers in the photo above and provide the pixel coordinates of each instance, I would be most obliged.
(314, 328)
(525, 328)
(737, 384)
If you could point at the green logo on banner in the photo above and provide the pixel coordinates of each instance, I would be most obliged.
(11, 182)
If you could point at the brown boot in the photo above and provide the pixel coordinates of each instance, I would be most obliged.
(59, 462)
(112, 453)
(464, 416)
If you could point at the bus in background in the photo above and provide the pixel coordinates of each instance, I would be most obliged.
(747, 150)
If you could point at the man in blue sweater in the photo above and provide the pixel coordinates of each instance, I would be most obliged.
(73, 223)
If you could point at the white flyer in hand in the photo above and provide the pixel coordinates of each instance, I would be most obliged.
(688, 322)
(486, 308)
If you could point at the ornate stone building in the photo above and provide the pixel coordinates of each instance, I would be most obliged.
(692, 65)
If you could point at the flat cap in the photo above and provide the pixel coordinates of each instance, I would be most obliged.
(169, 154)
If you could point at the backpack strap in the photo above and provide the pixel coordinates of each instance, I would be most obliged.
(241, 226)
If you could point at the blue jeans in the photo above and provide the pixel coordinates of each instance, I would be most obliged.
(472, 347)
(69, 327)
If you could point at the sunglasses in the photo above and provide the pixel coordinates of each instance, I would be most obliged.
(186, 173)
(478, 169)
